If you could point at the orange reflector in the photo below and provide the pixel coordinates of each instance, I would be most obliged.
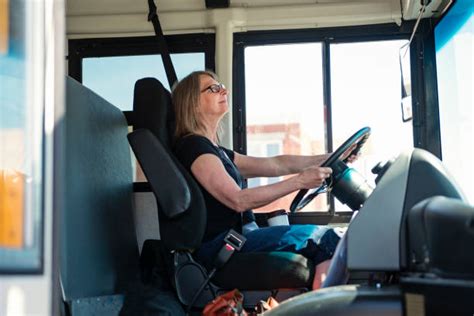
(4, 23)
(12, 186)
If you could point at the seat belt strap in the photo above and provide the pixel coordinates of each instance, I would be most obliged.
(165, 54)
(233, 241)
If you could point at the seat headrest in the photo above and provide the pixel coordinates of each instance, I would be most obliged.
(153, 109)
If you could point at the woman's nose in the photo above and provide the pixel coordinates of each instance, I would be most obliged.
(224, 91)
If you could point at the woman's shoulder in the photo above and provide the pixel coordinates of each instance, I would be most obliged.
(191, 140)
(190, 147)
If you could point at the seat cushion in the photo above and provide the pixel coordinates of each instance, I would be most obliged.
(265, 271)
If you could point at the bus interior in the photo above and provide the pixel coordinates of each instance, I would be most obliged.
(98, 217)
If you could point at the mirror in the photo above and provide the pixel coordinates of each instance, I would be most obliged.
(406, 101)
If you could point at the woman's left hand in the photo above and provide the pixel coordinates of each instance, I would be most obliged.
(348, 154)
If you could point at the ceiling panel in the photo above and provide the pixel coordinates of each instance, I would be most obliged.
(85, 7)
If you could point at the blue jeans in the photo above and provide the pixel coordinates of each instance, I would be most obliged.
(313, 242)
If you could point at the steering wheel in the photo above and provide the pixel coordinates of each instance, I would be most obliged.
(305, 196)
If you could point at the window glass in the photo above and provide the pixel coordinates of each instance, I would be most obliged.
(366, 91)
(114, 77)
(284, 107)
(454, 37)
(21, 136)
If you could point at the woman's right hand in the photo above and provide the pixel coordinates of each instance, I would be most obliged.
(313, 177)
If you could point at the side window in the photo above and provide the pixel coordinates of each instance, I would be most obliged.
(114, 77)
(311, 96)
(110, 67)
(273, 149)
(22, 136)
(264, 149)
(365, 91)
(454, 38)
(285, 106)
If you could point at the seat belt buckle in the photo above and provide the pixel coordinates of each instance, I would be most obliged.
(233, 241)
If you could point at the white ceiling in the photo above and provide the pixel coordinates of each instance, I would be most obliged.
(87, 18)
(86, 7)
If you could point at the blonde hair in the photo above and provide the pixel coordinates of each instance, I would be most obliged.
(186, 95)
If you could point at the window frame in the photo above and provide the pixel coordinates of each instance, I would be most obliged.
(30, 110)
(78, 49)
(425, 121)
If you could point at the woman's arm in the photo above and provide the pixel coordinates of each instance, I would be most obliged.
(251, 167)
(211, 174)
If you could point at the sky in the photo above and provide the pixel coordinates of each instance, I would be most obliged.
(114, 77)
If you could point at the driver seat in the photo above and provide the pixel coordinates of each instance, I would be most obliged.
(182, 217)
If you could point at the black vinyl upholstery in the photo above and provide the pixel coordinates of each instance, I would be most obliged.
(181, 225)
(185, 231)
(264, 271)
(153, 111)
(173, 199)
(99, 253)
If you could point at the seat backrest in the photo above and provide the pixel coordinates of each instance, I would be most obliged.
(99, 253)
(148, 92)
(181, 208)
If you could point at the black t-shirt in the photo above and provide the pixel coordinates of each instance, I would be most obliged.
(220, 218)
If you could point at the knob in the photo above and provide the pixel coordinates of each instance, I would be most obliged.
(378, 167)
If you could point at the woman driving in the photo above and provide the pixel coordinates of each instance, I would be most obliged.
(200, 102)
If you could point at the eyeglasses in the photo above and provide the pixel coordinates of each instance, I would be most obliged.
(214, 88)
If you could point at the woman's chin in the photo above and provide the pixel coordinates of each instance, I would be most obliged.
(225, 107)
